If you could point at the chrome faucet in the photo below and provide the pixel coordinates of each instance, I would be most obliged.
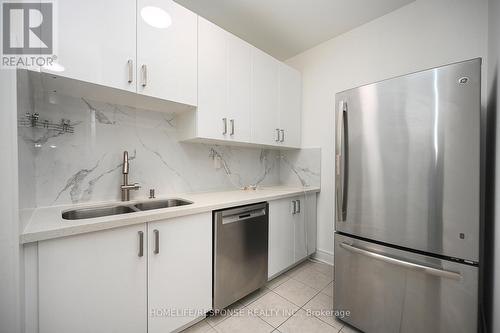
(126, 187)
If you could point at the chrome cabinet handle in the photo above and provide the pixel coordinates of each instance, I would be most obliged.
(224, 126)
(282, 135)
(402, 263)
(144, 70)
(130, 64)
(141, 244)
(298, 206)
(277, 135)
(157, 241)
(341, 162)
(232, 126)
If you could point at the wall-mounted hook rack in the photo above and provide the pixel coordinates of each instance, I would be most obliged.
(33, 120)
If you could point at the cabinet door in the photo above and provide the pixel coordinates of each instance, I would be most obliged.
(310, 216)
(305, 226)
(290, 105)
(238, 84)
(264, 101)
(212, 81)
(96, 40)
(224, 68)
(281, 236)
(167, 51)
(300, 229)
(93, 282)
(180, 271)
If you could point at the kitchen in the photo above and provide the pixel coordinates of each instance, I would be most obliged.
(177, 167)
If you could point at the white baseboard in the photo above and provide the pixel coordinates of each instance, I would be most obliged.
(324, 256)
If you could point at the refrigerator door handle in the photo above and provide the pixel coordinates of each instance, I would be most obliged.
(341, 162)
(402, 263)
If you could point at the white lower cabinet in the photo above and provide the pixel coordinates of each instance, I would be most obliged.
(179, 271)
(281, 236)
(310, 215)
(152, 277)
(106, 281)
(292, 231)
(299, 228)
(93, 282)
(304, 226)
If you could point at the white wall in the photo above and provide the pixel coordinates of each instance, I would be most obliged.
(492, 285)
(10, 293)
(423, 34)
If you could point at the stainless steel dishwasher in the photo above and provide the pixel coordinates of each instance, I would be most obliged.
(240, 252)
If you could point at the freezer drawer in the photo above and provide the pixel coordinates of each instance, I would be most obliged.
(387, 290)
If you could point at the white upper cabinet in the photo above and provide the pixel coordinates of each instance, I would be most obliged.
(96, 42)
(265, 99)
(223, 84)
(244, 94)
(157, 48)
(290, 102)
(212, 81)
(238, 97)
(276, 102)
(166, 51)
(143, 46)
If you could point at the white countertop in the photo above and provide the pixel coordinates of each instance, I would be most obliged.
(47, 222)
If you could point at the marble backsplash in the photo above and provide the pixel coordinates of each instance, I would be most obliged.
(26, 152)
(85, 166)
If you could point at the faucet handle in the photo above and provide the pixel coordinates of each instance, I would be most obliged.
(134, 186)
(125, 163)
(151, 193)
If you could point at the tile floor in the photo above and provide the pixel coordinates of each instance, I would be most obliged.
(290, 303)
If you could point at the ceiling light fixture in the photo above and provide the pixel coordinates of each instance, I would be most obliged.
(156, 17)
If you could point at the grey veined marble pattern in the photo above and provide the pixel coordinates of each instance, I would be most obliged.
(86, 166)
(300, 167)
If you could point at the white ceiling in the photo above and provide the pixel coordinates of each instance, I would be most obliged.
(284, 28)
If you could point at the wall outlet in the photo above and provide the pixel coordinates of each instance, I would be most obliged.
(217, 162)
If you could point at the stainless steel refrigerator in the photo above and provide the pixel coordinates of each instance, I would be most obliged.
(407, 187)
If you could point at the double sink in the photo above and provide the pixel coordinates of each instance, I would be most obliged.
(93, 212)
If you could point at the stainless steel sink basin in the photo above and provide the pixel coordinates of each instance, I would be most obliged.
(92, 212)
(149, 205)
(88, 213)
